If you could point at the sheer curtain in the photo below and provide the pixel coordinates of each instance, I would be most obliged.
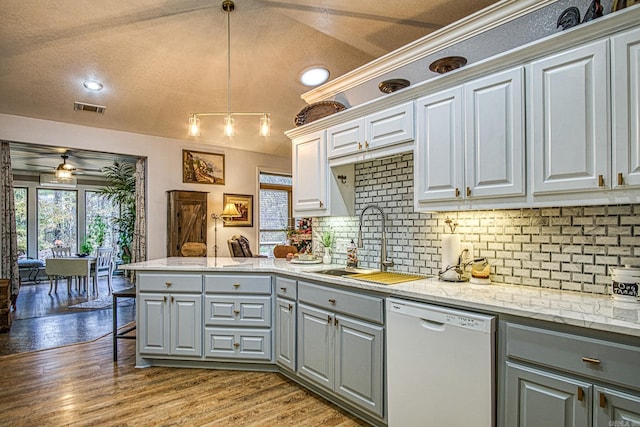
(139, 243)
(8, 236)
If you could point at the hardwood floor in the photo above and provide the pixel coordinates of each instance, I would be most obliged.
(80, 385)
(47, 321)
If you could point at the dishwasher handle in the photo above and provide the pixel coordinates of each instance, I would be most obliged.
(432, 325)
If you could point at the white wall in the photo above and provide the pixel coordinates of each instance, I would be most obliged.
(164, 162)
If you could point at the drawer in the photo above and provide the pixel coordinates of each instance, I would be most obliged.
(237, 284)
(225, 310)
(286, 288)
(151, 282)
(357, 305)
(618, 363)
(229, 343)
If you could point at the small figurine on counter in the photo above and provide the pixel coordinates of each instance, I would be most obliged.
(352, 255)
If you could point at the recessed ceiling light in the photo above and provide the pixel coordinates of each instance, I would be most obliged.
(93, 85)
(314, 76)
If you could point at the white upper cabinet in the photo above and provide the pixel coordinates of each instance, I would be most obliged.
(310, 173)
(625, 84)
(365, 135)
(569, 113)
(470, 142)
(495, 135)
(438, 155)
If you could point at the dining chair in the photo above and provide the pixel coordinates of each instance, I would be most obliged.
(61, 252)
(103, 267)
(239, 247)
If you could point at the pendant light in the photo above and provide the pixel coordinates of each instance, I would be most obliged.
(194, 118)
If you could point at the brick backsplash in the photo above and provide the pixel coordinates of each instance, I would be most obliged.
(567, 248)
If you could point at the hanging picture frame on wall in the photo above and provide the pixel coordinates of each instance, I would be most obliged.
(244, 204)
(202, 168)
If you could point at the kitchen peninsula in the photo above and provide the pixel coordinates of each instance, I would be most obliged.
(241, 314)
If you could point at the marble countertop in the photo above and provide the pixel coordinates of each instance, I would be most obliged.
(592, 311)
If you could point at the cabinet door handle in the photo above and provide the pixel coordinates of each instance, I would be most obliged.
(329, 319)
(290, 307)
(600, 181)
(603, 400)
(236, 285)
(335, 321)
(172, 299)
(167, 284)
(366, 145)
(580, 394)
(332, 300)
(236, 311)
(321, 204)
(236, 345)
(164, 298)
(359, 146)
(283, 289)
(591, 360)
(620, 179)
(468, 192)
(457, 192)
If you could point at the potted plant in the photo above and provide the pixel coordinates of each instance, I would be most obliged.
(86, 247)
(326, 240)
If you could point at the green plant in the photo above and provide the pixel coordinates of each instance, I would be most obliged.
(121, 190)
(86, 247)
(97, 230)
(326, 239)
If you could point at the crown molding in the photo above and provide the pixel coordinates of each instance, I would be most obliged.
(486, 19)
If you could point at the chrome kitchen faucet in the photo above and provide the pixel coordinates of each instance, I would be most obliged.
(384, 262)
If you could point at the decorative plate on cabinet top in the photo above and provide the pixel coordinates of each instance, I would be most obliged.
(450, 63)
(317, 111)
(389, 86)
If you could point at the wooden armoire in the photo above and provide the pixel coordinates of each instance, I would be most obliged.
(186, 220)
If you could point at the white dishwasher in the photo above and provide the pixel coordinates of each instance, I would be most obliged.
(440, 366)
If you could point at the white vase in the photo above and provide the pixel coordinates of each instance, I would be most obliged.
(326, 258)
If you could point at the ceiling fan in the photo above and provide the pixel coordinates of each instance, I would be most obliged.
(66, 170)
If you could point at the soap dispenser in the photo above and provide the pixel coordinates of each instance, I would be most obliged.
(352, 255)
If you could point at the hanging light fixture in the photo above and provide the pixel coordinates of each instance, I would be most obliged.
(194, 119)
(64, 170)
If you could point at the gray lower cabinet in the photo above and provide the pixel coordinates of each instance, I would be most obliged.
(237, 317)
(286, 319)
(555, 378)
(170, 315)
(342, 353)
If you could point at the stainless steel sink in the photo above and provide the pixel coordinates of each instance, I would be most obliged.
(337, 272)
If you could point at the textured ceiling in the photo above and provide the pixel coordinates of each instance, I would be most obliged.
(161, 60)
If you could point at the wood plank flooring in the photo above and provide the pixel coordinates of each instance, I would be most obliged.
(79, 385)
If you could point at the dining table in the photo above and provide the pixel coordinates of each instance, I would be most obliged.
(69, 267)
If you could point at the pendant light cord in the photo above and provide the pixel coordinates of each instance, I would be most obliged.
(229, 61)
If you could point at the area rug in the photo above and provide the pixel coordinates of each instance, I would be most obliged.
(103, 302)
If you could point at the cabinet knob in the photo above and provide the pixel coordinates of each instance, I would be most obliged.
(591, 360)
(603, 400)
(620, 179)
(600, 181)
(236, 285)
(167, 284)
(332, 300)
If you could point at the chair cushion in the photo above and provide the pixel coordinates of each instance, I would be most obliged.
(236, 249)
(244, 244)
(30, 263)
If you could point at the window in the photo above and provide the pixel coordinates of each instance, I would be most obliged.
(20, 201)
(275, 210)
(57, 220)
(96, 205)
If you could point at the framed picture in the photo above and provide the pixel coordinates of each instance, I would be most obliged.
(202, 168)
(244, 204)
